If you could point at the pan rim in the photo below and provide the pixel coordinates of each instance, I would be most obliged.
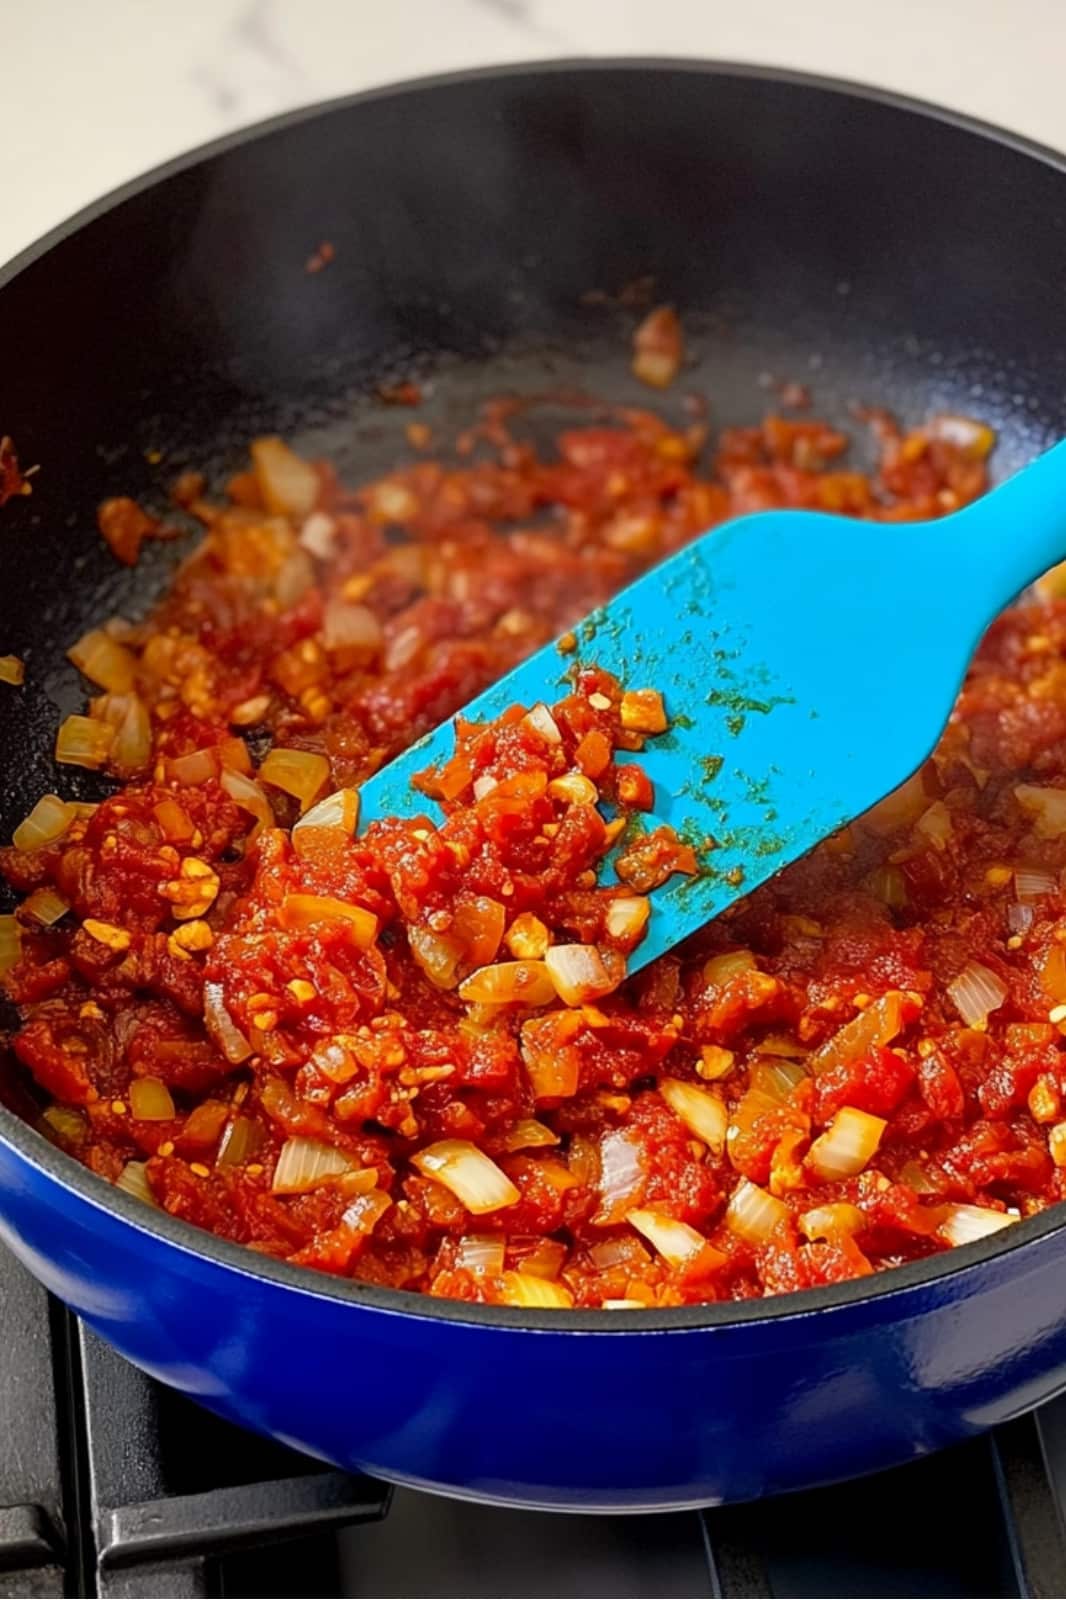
(209, 1250)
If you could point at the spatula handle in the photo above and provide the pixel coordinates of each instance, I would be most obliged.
(1013, 535)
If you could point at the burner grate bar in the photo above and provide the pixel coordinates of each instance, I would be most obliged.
(27, 1538)
(1034, 1522)
(224, 1520)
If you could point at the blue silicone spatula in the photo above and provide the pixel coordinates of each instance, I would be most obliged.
(808, 663)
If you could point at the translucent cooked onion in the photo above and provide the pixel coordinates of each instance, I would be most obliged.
(580, 973)
(437, 955)
(1020, 918)
(84, 742)
(847, 1145)
(699, 1109)
(198, 767)
(627, 917)
(622, 1180)
(66, 1123)
(305, 1163)
(242, 1140)
(349, 626)
(10, 943)
(478, 924)
(247, 794)
(12, 670)
(366, 1210)
(481, 1252)
(288, 484)
(338, 812)
(719, 969)
(49, 820)
(975, 992)
(888, 884)
(302, 910)
(1047, 807)
(1032, 883)
(483, 786)
(835, 1221)
(574, 788)
(222, 1028)
(540, 719)
(752, 1213)
(131, 747)
(526, 983)
(104, 661)
(624, 1305)
(545, 1260)
(468, 1173)
(150, 1100)
(300, 773)
(134, 1179)
(675, 1241)
(962, 1224)
(878, 1024)
(318, 535)
(974, 439)
(295, 576)
(528, 1134)
(898, 809)
(527, 938)
(658, 348)
(935, 826)
(624, 1251)
(528, 1289)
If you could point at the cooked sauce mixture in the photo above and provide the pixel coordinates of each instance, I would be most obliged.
(409, 1053)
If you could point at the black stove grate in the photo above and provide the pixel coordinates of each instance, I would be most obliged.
(113, 1486)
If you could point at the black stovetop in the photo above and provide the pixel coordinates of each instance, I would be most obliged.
(111, 1485)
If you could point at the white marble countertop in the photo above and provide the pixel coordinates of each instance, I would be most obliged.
(94, 93)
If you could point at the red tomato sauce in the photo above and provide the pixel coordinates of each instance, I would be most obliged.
(410, 1054)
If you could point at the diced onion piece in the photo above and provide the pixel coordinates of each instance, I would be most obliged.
(528, 1134)
(301, 910)
(1047, 807)
(752, 1213)
(526, 983)
(481, 1252)
(305, 1163)
(719, 969)
(150, 1100)
(847, 1145)
(134, 1179)
(878, 1024)
(84, 742)
(338, 812)
(935, 825)
(625, 1251)
(574, 788)
(247, 794)
(104, 661)
(242, 1139)
(540, 719)
(131, 747)
(627, 917)
(45, 906)
(10, 943)
(286, 482)
(1020, 918)
(624, 1305)
(888, 884)
(837, 1220)
(699, 1109)
(546, 1260)
(642, 711)
(777, 1076)
(975, 992)
(469, 1174)
(198, 767)
(527, 1289)
(478, 923)
(580, 973)
(1032, 883)
(67, 1123)
(12, 670)
(366, 1210)
(317, 535)
(222, 1028)
(898, 809)
(623, 1177)
(436, 954)
(675, 1241)
(658, 348)
(527, 938)
(482, 786)
(48, 821)
(974, 439)
(349, 626)
(295, 576)
(962, 1224)
(300, 773)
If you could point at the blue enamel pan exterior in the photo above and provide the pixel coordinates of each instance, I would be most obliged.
(893, 253)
